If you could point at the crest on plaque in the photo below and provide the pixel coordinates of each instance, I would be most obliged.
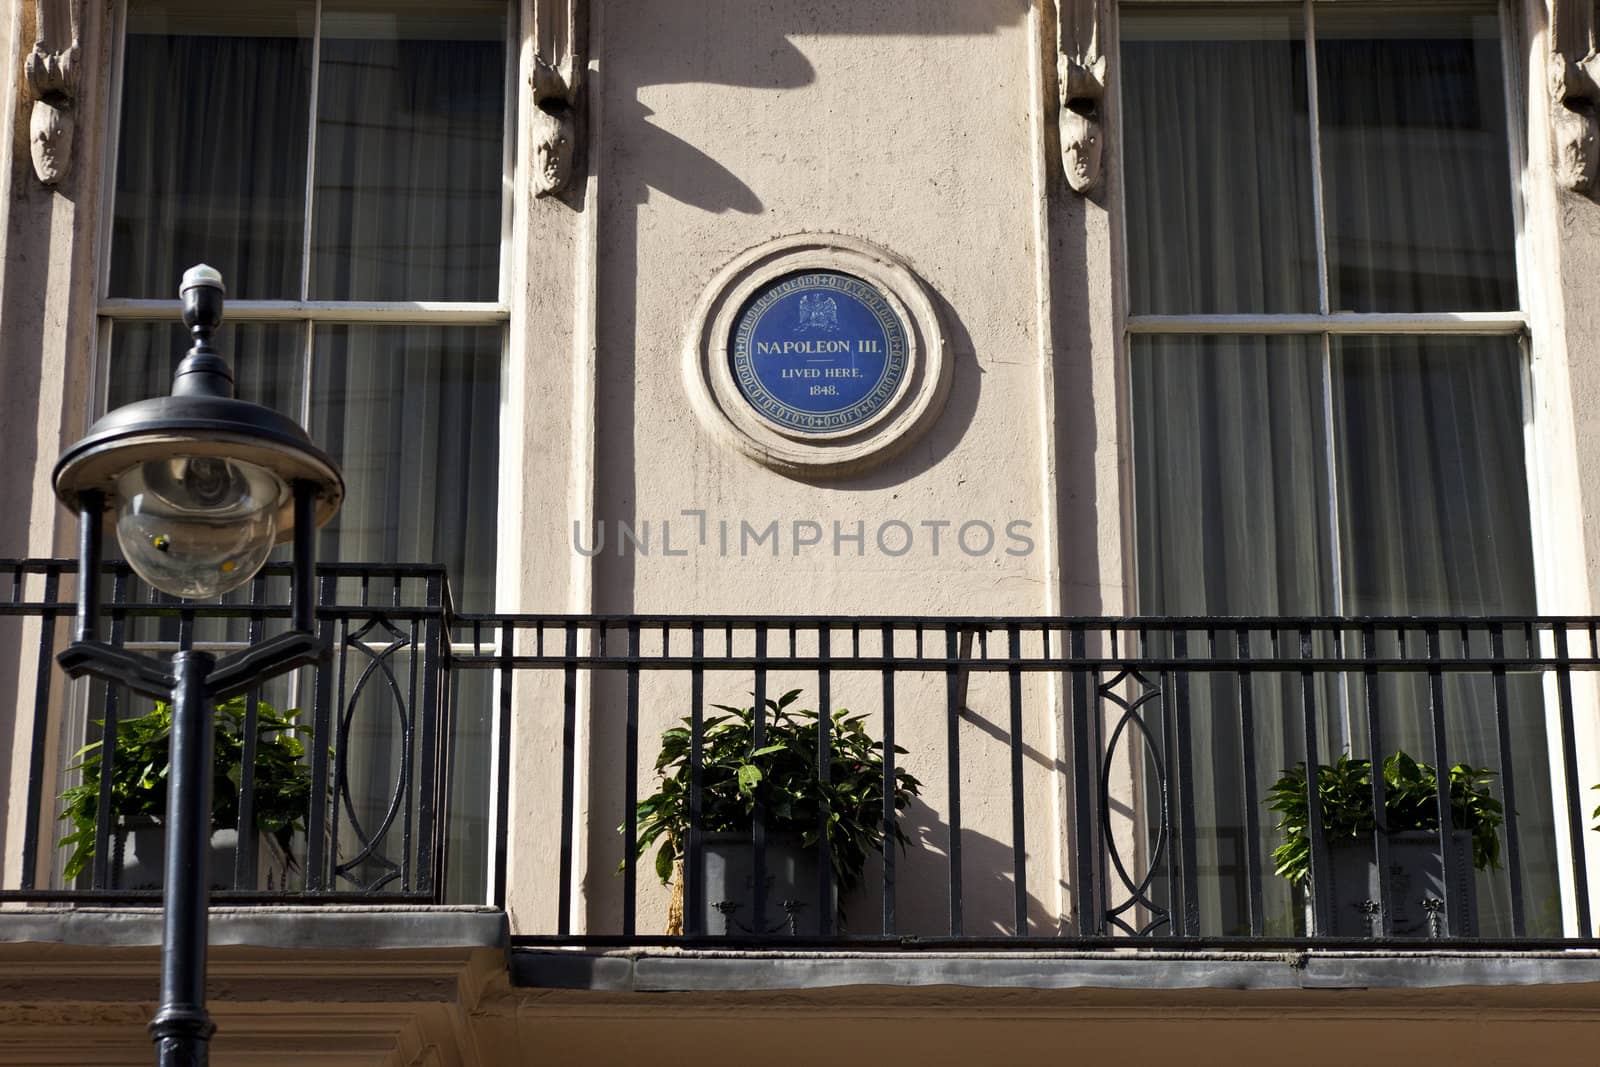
(819, 313)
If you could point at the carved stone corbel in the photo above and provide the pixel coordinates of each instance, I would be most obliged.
(557, 74)
(1575, 92)
(51, 70)
(1081, 73)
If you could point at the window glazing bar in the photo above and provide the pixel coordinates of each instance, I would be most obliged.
(1319, 215)
(386, 311)
(1349, 322)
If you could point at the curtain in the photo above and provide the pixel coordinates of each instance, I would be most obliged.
(1304, 475)
(211, 164)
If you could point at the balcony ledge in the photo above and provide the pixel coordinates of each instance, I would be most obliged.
(315, 927)
(663, 971)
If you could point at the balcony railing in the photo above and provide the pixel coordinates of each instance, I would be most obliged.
(1081, 782)
(373, 725)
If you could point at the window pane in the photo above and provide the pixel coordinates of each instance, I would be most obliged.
(1232, 491)
(268, 361)
(1415, 167)
(1218, 161)
(1433, 497)
(413, 415)
(211, 162)
(410, 129)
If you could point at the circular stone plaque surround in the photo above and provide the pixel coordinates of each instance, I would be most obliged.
(874, 418)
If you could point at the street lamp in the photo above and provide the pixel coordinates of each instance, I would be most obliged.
(198, 486)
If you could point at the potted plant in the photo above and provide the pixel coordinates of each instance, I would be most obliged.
(1414, 877)
(139, 793)
(782, 776)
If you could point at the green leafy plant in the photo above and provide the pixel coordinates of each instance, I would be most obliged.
(1344, 789)
(139, 776)
(782, 776)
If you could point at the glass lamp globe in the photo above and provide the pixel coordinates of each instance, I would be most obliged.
(198, 526)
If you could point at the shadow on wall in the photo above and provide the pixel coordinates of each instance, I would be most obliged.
(642, 158)
(922, 877)
(766, 57)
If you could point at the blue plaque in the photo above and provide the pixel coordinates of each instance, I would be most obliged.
(819, 352)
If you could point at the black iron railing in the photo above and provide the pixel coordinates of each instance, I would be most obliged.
(374, 724)
(1084, 782)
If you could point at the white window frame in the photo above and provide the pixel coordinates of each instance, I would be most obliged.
(307, 312)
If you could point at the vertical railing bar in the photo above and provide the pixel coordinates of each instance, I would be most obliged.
(1019, 840)
(890, 821)
(502, 800)
(433, 802)
(825, 882)
(106, 819)
(1085, 772)
(1508, 782)
(244, 855)
(410, 781)
(185, 626)
(1165, 728)
(758, 816)
(569, 773)
(41, 724)
(630, 787)
(1184, 773)
(1380, 802)
(318, 855)
(1569, 754)
(1321, 875)
(694, 889)
(1449, 857)
(952, 691)
(340, 762)
(1252, 800)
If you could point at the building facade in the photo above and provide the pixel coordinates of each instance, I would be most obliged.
(1116, 404)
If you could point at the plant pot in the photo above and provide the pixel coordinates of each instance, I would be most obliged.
(1415, 881)
(139, 856)
(792, 902)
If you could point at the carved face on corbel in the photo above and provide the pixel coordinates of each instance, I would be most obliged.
(1081, 146)
(553, 140)
(50, 139)
(1577, 153)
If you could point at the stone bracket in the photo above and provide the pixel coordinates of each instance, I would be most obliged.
(1081, 78)
(1575, 92)
(51, 71)
(559, 27)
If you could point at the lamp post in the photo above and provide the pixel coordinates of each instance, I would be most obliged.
(198, 487)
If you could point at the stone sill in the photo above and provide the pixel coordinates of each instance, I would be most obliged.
(322, 928)
(666, 971)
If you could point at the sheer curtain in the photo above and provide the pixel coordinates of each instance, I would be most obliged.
(1289, 475)
(405, 205)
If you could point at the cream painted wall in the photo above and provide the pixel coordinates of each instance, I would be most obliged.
(725, 126)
